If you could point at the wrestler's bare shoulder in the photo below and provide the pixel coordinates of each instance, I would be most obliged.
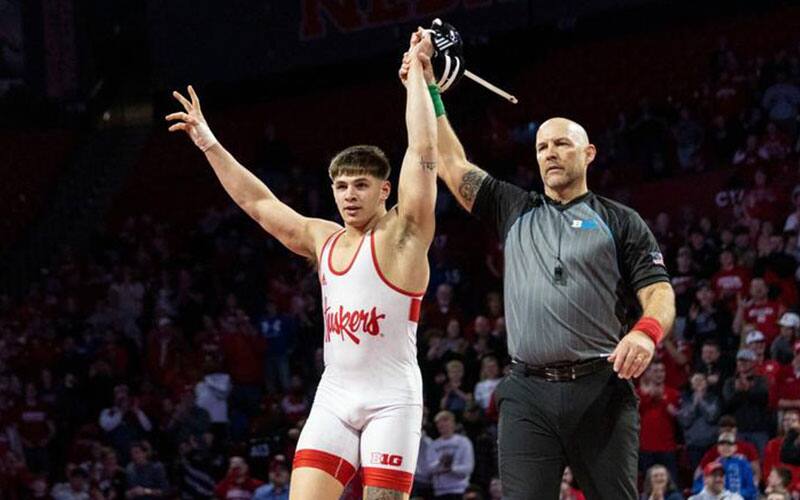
(321, 230)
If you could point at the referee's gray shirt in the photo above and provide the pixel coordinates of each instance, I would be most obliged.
(571, 271)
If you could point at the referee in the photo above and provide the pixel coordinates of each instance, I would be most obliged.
(587, 298)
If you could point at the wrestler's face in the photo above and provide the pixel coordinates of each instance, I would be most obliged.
(563, 153)
(359, 197)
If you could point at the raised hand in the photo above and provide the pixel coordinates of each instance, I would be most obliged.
(192, 121)
(421, 47)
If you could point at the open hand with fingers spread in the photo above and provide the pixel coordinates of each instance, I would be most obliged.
(192, 121)
(633, 354)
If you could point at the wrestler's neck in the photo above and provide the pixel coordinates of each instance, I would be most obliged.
(360, 229)
(565, 194)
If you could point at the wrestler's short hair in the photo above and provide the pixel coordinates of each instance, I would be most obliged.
(360, 160)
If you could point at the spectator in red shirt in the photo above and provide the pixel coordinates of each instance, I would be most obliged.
(208, 342)
(162, 350)
(760, 202)
(295, 403)
(243, 349)
(759, 311)
(772, 452)
(730, 281)
(237, 484)
(767, 368)
(36, 430)
(658, 410)
(676, 356)
(744, 449)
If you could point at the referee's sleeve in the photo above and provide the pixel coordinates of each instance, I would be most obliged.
(499, 204)
(641, 254)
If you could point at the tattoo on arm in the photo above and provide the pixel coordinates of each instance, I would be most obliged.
(430, 166)
(375, 493)
(470, 183)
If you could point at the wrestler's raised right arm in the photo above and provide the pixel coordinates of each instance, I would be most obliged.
(302, 235)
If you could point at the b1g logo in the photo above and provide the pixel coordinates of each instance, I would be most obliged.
(387, 459)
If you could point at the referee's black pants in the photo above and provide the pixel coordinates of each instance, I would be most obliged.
(590, 424)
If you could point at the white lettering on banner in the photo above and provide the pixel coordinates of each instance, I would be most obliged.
(729, 198)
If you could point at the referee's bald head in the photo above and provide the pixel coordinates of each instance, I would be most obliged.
(565, 126)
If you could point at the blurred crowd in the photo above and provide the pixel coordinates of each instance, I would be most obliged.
(181, 361)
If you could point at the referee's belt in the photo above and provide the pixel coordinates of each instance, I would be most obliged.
(561, 372)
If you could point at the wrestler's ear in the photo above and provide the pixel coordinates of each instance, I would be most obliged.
(386, 189)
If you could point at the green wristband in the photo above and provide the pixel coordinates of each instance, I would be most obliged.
(436, 97)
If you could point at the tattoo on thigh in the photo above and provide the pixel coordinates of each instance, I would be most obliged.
(375, 493)
(470, 183)
(430, 166)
